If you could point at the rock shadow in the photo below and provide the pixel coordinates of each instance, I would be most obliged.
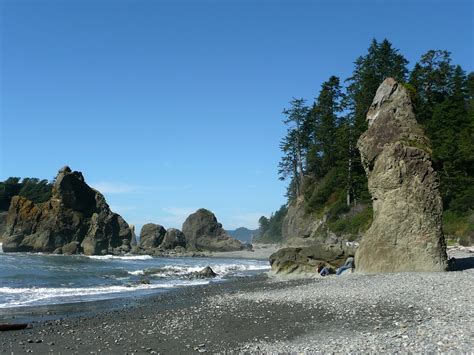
(460, 264)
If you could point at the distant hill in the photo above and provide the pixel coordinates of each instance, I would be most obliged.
(243, 234)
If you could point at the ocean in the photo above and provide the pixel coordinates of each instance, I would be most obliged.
(30, 279)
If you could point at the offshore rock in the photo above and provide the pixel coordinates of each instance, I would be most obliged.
(172, 239)
(406, 232)
(151, 236)
(203, 232)
(76, 218)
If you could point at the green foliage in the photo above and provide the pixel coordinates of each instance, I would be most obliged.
(322, 190)
(270, 230)
(320, 156)
(352, 223)
(459, 227)
(33, 189)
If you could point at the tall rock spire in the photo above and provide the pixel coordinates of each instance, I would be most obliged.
(406, 232)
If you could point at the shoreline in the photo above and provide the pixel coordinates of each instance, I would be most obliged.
(405, 312)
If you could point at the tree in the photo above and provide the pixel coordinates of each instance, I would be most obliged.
(380, 62)
(295, 145)
(325, 120)
(263, 223)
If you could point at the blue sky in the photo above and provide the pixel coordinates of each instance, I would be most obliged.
(169, 106)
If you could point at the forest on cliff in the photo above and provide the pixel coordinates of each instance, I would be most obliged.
(320, 160)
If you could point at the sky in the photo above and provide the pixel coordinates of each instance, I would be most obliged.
(170, 106)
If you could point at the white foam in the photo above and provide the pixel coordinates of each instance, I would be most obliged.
(29, 296)
(123, 257)
(219, 269)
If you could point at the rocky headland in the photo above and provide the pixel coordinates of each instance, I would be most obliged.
(76, 219)
(406, 231)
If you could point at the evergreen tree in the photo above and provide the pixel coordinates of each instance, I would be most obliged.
(295, 145)
(325, 121)
(380, 62)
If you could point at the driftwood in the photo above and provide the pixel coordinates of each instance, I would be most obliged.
(12, 326)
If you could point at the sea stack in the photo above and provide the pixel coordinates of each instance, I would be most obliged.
(406, 232)
(76, 219)
(203, 232)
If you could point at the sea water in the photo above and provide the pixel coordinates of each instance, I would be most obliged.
(29, 279)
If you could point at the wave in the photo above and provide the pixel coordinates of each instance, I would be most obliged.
(182, 270)
(15, 297)
(123, 257)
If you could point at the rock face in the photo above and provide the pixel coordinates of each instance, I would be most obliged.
(300, 229)
(3, 221)
(151, 236)
(406, 233)
(308, 241)
(173, 238)
(133, 241)
(203, 232)
(76, 217)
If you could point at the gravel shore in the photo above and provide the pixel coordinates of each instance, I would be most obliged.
(409, 312)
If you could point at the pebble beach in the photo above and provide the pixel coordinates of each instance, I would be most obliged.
(400, 312)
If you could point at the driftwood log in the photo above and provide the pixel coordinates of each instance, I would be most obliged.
(12, 326)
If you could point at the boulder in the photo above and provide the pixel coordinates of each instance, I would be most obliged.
(172, 239)
(203, 232)
(305, 260)
(406, 233)
(205, 273)
(76, 214)
(151, 235)
(71, 248)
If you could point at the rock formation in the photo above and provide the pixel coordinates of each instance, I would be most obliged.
(308, 241)
(3, 224)
(156, 240)
(203, 232)
(173, 238)
(133, 241)
(304, 260)
(76, 218)
(206, 273)
(151, 236)
(406, 233)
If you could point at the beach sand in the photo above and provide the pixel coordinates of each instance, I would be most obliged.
(259, 252)
(409, 312)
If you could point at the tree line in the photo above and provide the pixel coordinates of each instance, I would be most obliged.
(319, 154)
(33, 189)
